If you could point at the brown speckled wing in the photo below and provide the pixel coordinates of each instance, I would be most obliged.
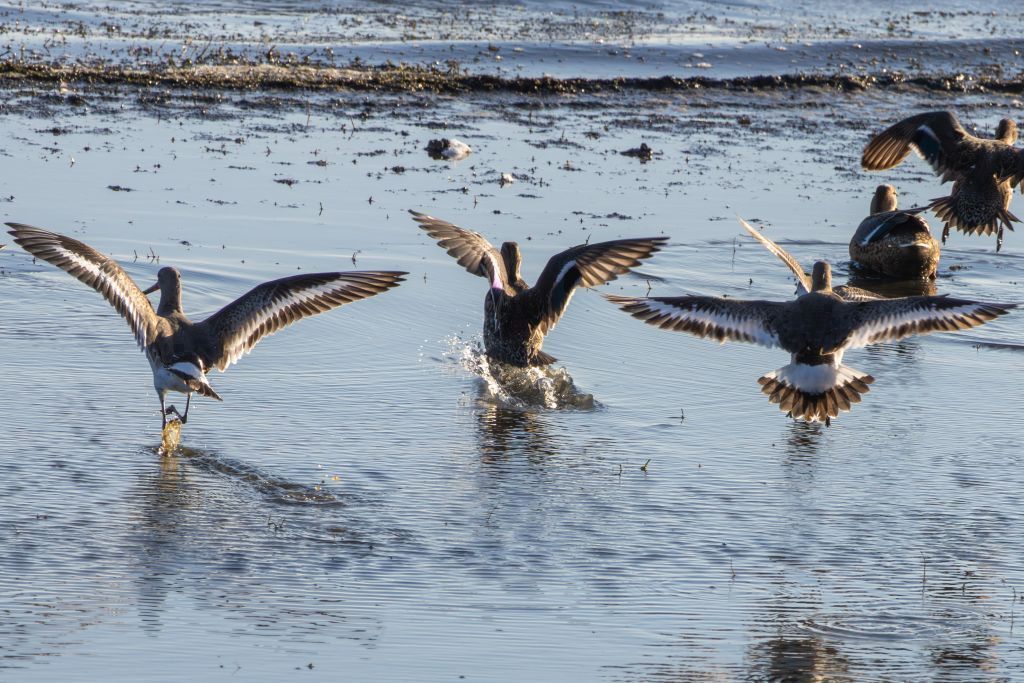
(100, 272)
(706, 316)
(891, 319)
(274, 305)
(470, 249)
(935, 135)
(586, 265)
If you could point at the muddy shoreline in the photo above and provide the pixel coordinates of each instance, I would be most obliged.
(405, 78)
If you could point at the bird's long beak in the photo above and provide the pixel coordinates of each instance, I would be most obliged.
(152, 289)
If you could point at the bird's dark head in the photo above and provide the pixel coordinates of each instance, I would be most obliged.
(884, 199)
(1006, 131)
(166, 278)
(512, 258)
(168, 281)
(821, 277)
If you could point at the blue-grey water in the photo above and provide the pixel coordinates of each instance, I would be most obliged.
(367, 505)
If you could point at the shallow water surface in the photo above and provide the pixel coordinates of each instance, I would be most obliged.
(369, 502)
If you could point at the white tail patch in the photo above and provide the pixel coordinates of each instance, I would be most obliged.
(184, 377)
(813, 379)
(190, 370)
(815, 392)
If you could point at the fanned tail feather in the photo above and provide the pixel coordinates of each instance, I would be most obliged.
(541, 358)
(798, 390)
(945, 209)
(203, 389)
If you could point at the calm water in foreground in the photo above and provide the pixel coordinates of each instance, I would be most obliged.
(365, 506)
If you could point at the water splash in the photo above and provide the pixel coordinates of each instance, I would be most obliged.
(513, 387)
(170, 437)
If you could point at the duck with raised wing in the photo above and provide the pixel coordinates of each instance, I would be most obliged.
(181, 352)
(516, 316)
(893, 243)
(983, 171)
(816, 329)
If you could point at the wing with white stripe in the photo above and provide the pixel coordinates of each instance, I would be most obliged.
(935, 135)
(706, 316)
(891, 319)
(100, 272)
(236, 328)
(470, 249)
(586, 265)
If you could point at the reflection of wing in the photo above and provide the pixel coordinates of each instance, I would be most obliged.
(94, 269)
(471, 249)
(273, 305)
(706, 316)
(587, 265)
(891, 319)
(935, 135)
(803, 281)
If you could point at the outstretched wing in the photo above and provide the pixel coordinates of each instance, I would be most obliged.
(100, 272)
(235, 329)
(935, 135)
(891, 319)
(794, 266)
(586, 265)
(707, 316)
(470, 249)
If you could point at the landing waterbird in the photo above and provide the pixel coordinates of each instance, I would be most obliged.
(894, 243)
(517, 316)
(181, 352)
(983, 171)
(816, 329)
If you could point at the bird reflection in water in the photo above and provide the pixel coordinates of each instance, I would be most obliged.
(503, 431)
(794, 657)
(166, 498)
(803, 439)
